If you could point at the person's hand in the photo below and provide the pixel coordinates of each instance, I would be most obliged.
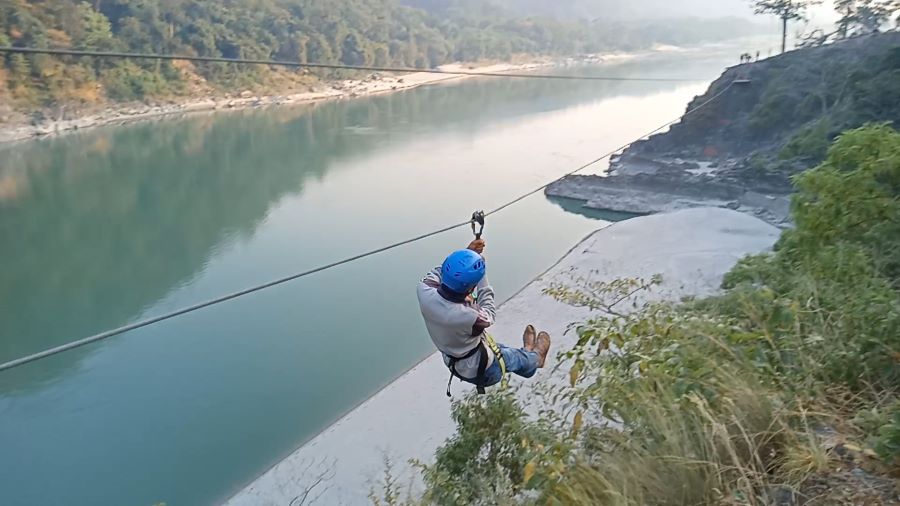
(477, 246)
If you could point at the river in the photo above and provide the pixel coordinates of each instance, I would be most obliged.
(112, 225)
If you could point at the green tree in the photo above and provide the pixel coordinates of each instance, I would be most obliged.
(865, 16)
(786, 10)
(873, 15)
(354, 51)
(96, 33)
(19, 71)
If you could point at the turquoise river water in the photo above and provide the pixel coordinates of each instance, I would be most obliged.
(112, 225)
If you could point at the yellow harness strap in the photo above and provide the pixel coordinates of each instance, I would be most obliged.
(498, 355)
(488, 343)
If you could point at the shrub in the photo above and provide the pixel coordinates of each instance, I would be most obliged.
(810, 143)
(887, 442)
(493, 455)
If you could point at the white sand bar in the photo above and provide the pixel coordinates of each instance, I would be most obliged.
(691, 249)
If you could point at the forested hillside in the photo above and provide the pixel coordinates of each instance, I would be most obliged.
(795, 105)
(375, 32)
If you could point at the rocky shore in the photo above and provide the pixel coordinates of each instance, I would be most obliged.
(640, 185)
(761, 123)
(689, 166)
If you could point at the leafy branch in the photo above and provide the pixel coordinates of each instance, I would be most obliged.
(599, 295)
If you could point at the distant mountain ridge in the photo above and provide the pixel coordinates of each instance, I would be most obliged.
(592, 9)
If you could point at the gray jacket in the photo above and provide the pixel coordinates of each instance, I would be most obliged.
(456, 328)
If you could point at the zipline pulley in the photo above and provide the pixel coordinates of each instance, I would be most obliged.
(478, 224)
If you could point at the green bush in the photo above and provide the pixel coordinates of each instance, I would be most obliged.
(127, 81)
(882, 426)
(810, 143)
(887, 442)
(493, 455)
(772, 113)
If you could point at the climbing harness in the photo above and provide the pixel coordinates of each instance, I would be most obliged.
(487, 341)
(498, 355)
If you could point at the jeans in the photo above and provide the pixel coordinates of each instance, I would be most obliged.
(518, 361)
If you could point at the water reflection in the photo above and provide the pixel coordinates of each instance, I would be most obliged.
(99, 226)
(576, 206)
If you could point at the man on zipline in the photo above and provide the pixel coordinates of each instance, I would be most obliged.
(457, 320)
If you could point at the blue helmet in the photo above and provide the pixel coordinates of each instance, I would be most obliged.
(462, 270)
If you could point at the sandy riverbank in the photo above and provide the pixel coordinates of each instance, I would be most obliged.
(374, 84)
(410, 418)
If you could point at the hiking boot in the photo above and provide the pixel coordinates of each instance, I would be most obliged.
(529, 338)
(542, 348)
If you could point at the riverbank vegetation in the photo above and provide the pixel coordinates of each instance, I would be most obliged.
(781, 390)
(350, 32)
(841, 93)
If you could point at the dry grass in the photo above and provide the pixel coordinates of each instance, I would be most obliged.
(741, 450)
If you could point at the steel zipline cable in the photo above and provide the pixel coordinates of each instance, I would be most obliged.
(196, 307)
(287, 63)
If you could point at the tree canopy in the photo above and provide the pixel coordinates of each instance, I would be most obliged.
(865, 16)
(351, 32)
(786, 10)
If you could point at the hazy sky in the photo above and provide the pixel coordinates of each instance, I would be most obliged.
(676, 8)
(823, 14)
(713, 8)
(819, 15)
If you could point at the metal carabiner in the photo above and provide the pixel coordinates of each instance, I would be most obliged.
(478, 219)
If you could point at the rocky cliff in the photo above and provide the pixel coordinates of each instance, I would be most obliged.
(767, 120)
